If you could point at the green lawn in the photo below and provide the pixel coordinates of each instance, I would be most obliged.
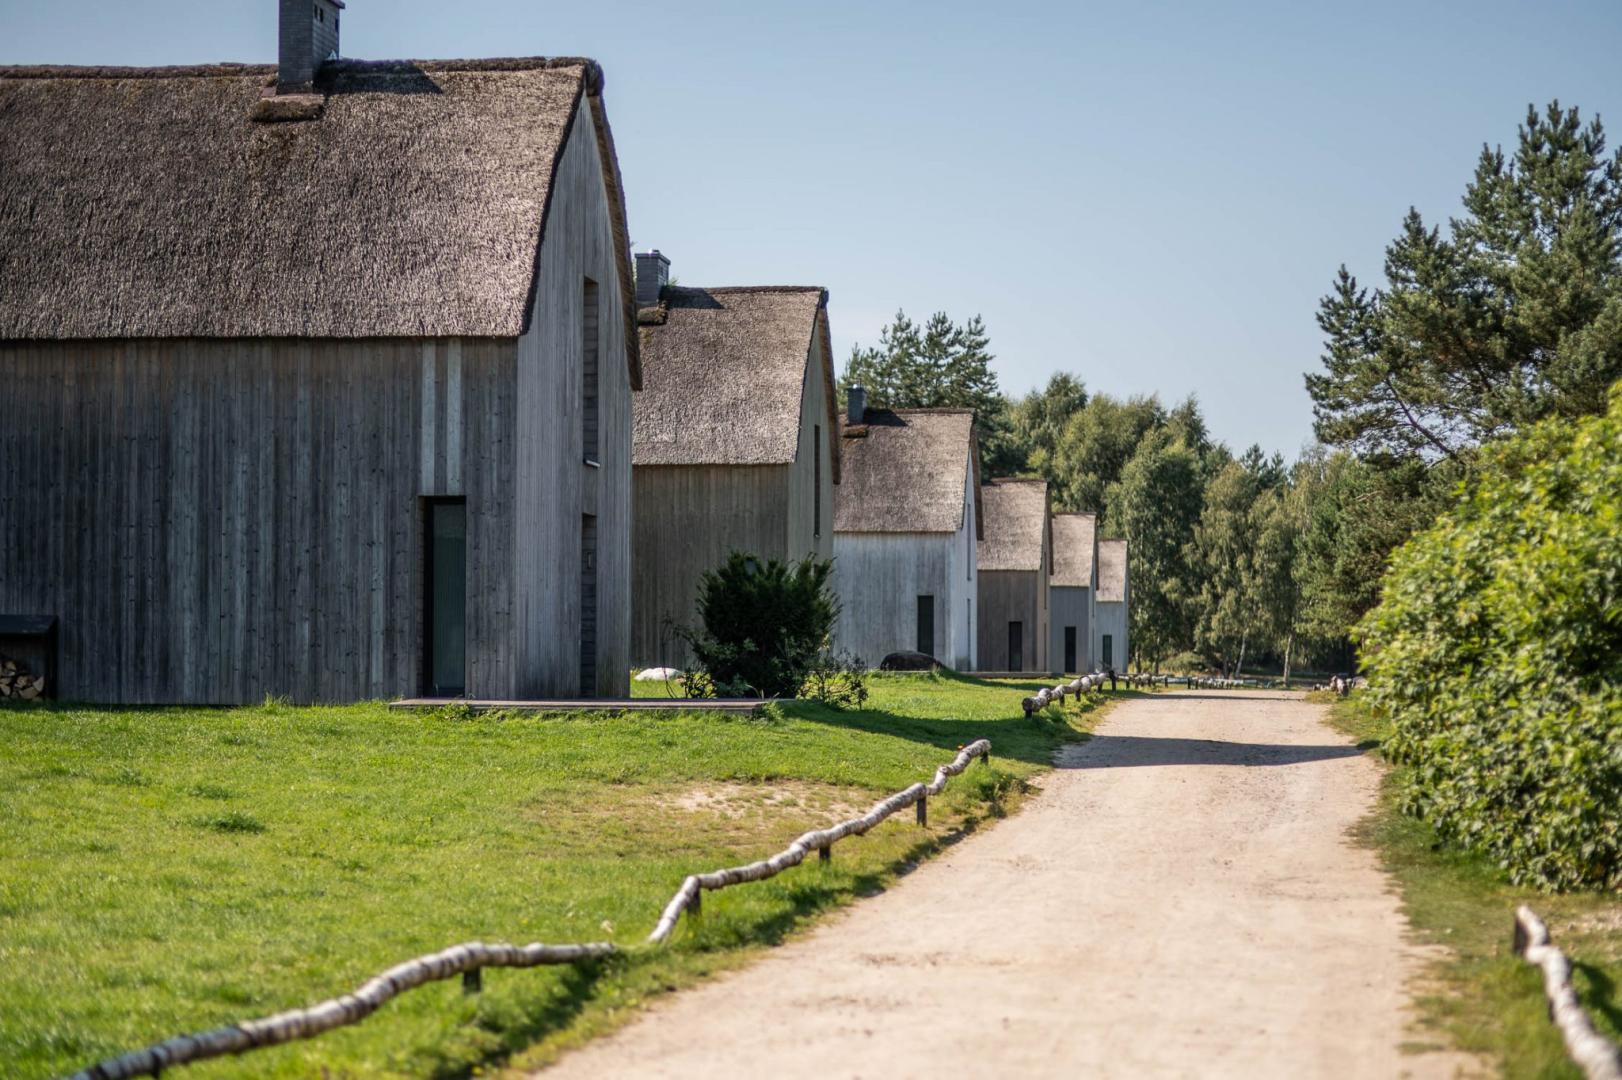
(1488, 1000)
(168, 870)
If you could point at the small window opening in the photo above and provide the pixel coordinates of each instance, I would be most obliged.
(816, 482)
(588, 372)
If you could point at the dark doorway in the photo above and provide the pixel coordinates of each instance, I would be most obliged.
(447, 598)
(1016, 646)
(926, 625)
(1070, 648)
(1109, 652)
(588, 605)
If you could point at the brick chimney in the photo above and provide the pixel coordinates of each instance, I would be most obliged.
(652, 275)
(308, 38)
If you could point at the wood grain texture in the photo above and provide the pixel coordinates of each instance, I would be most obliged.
(879, 576)
(554, 488)
(1008, 596)
(215, 521)
(688, 518)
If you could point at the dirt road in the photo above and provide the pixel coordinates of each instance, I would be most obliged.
(1181, 900)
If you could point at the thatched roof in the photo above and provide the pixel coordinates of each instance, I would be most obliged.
(908, 471)
(165, 202)
(724, 374)
(1073, 549)
(1112, 571)
(1016, 524)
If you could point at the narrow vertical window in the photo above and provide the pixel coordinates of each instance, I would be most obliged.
(816, 483)
(588, 371)
(926, 625)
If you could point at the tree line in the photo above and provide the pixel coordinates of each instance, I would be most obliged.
(1510, 316)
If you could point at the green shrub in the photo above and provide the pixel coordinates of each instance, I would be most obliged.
(1496, 653)
(763, 624)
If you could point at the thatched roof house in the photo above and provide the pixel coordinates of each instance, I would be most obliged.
(345, 339)
(906, 522)
(734, 439)
(1113, 643)
(1072, 591)
(1015, 563)
(149, 202)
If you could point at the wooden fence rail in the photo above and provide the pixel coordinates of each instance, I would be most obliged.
(690, 897)
(1075, 687)
(1597, 1056)
(470, 958)
(337, 1012)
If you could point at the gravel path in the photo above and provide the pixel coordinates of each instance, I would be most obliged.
(1180, 900)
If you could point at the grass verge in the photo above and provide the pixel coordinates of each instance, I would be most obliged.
(1485, 999)
(168, 870)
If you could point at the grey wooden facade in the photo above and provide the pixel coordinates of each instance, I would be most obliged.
(735, 446)
(906, 527)
(1072, 591)
(1112, 642)
(240, 511)
(1015, 565)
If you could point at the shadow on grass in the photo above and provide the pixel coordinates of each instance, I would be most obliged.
(1017, 737)
(1601, 996)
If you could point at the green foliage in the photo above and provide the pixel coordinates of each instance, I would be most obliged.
(764, 624)
(1481, 996)
(1093, 448)
(1156, 506)
(1514, 316)
(939, 364)
(1496, 652)
(836, 679)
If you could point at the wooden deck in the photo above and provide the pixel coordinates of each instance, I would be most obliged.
(741, 706)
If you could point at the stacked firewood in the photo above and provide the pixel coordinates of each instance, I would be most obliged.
(17, 681)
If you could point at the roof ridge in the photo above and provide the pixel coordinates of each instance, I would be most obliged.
(746, 288)
(933, 410)
(225, 69)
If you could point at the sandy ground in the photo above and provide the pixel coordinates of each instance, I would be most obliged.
(1181, 900)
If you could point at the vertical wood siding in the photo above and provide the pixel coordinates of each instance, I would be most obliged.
(688, 518)
(214, 521)
(879, 577)
(1070, 606)
(1111, 618)
(803, 536)
(554, 487)
(1007, 596)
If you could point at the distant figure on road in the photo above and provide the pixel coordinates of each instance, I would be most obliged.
(1110, 671)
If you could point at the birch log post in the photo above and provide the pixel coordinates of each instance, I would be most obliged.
(339, 1011)
(820, 840)
(1595, 1055)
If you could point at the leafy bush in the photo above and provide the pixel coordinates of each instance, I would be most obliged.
(1496, 653)
(837, 679)
(764, 624)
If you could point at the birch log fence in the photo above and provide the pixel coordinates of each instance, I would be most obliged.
(689, 898)
(470, 958)
(1595, 1055)
(1075, 687)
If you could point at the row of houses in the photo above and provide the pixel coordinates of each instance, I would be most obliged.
(337, 380)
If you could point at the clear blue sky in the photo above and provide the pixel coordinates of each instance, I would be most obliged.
(1151, 195)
